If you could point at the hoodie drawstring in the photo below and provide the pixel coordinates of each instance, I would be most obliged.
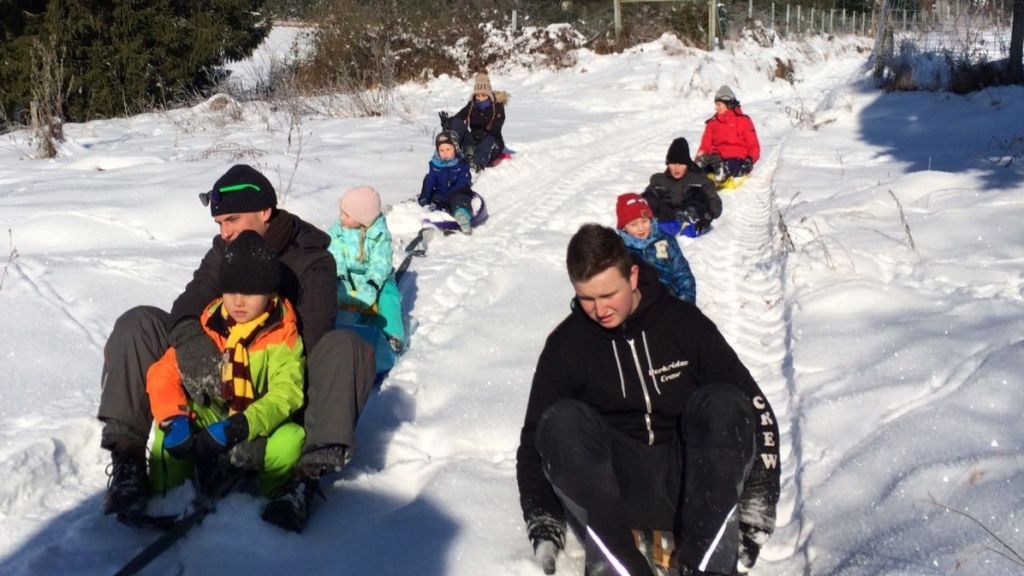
(618, 364)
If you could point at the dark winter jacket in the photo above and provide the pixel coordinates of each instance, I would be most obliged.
(664, 254)
(444, 178)
(730, 134)
(667, 196)
(484, 122)
(677, 350)
(307, 278)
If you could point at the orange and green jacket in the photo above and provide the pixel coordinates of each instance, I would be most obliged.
(276, 364)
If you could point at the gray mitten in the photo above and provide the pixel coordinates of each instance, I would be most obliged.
(547, 534)
(751, 539)
(199, 361)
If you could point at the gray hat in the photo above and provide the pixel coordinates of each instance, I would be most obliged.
(725, 94)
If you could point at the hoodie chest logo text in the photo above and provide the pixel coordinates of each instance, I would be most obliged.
(670, 371)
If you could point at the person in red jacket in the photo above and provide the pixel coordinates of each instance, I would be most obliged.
(729, 146)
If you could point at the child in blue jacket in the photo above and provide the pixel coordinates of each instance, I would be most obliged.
(361, 246)
(643, 238)
(448, 184)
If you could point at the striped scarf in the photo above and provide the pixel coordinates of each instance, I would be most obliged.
(236, 377)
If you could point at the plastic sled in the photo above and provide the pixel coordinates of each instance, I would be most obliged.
(383, 356)
(730, 184)
(443, 221)
(675, 228)
(506, 154)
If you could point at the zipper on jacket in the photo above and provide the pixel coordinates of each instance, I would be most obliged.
(643, 386)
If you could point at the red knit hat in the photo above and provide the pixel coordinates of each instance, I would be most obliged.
(629, 207)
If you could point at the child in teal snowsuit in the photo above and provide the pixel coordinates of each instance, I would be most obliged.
(361, 246)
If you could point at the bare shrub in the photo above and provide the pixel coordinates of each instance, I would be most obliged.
(784, 70)
(906, 225)
(230, 150)
(11, 257)
(47, 105)
(1006, 151)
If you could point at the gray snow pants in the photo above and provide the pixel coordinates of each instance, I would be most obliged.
(339, 377)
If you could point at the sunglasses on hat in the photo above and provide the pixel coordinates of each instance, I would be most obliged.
(215, 194)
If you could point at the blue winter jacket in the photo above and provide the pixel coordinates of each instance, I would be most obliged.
(445, 177)
(664, 254)
(359, 281)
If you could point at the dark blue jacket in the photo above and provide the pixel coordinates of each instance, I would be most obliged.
(444, 178)
(664, 254)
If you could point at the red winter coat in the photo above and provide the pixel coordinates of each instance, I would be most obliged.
(730, 135)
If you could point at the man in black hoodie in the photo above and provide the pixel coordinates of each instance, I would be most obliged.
(340, 366)
(641, 416)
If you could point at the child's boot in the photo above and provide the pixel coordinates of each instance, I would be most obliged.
(463, 218)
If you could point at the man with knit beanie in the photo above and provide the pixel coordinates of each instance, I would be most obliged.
(681, 197)
(478, 125)
(339, 372)
(729, 146)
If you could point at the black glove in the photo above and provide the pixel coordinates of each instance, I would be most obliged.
(199, 361)
(423, 201)
(747, 165)
(219, 437)
(687, 216)
(705, 222)
(446, 120)
(751, 539)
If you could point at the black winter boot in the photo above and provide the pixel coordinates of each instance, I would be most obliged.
(127, 485)
(291, 505)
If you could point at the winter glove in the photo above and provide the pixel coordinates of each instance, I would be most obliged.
(423, 201)
(178, 439)
(747, 165)
(199, 361)
(751, 539)
(446, 120)
(687, 215)
(547, 534)
(704, 223)
(219, 437)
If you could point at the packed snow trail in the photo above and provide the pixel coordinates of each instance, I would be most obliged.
(432, 489)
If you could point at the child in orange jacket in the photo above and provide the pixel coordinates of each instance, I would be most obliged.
(244, 411)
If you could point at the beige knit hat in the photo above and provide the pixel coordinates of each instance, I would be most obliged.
(482, 85)
(362, 203)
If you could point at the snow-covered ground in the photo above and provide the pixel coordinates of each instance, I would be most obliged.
(893, 366)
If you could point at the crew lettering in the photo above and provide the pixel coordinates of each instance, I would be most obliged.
(769, 461)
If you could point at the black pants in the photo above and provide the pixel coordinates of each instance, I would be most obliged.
(340, 371)
(456, 200)
(610, 483)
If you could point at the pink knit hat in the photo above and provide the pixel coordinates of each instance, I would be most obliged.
(362, 203)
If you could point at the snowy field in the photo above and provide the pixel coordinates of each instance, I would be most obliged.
(870, 274)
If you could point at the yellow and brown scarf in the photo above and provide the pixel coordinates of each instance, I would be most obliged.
(236, 377)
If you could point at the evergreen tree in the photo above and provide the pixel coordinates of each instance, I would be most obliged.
(124, 56)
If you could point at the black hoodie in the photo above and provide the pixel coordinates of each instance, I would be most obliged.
(639, 376)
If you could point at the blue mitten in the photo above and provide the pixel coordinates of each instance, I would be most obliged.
(178, 439)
